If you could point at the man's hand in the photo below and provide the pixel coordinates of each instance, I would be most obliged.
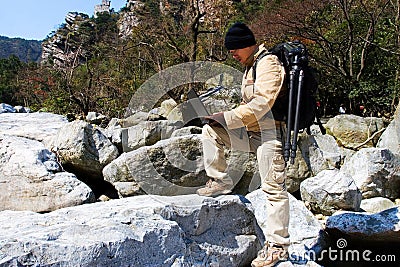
(216, 119)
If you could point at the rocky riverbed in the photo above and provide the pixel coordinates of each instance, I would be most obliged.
(81, 193)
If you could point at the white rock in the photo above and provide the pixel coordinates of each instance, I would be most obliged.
(38, 126)
(138, 231)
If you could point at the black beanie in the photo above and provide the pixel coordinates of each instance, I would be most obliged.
(239, 36)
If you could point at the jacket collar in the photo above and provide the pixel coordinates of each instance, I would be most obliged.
(257, 52)
(261, 49)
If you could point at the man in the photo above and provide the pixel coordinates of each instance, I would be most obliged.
(252, 127)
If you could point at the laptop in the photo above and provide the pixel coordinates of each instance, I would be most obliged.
(194, 110)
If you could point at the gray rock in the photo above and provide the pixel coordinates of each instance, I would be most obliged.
(220, 102)
(114, 134)
(243, 169)
(346, 154)
(39, 126)
(6, 108)
(382, 226)
(306, 233)
(297, 172)
(390, 138)
(376, 172)
(321, 152)
(170, 167)
(147, 133)
(21, 109)
(329, 191)
(166, 107)
(376, 204)
(134, 119)
(186, 131)
(315, 130)
(315, 153)
(96, 118)
(351, 131)
(312, 154)
(138, 231)
(31, 178)
(83, 149)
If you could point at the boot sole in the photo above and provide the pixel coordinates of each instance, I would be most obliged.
(214, 194)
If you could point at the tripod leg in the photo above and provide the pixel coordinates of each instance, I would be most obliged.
(292, 85)
(297, 115)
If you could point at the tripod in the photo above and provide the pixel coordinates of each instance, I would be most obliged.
(295, 91)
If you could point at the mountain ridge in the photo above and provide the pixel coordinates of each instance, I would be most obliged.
(25, 50)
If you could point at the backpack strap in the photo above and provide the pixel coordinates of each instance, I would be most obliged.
(260, 56)
(279, 109)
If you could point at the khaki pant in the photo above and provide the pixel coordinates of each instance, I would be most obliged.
(268, 146)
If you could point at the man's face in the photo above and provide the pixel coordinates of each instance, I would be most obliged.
(242, 54)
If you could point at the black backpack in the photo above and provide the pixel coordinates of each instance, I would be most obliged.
(298, 111)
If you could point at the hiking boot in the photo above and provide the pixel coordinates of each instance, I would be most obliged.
(270, 255)
(214, 188)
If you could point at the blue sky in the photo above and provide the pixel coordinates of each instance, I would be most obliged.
(35, 19)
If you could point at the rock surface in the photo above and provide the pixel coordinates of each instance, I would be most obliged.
(141, 231)
(170, 167)
(376, 204)
(147, 133)
(32, 179)
(382, 226)
(352, 131)
(83, 149)
(307, 236)
(40, 126)
(185, 230)
(390, 138)
(376, 172)
(329, 191)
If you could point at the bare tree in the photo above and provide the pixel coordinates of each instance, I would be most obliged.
(180, 31)
(342, 35)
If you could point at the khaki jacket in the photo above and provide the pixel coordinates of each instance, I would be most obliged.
(258, 97)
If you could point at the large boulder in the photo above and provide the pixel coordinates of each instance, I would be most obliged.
(32, 179)
(330, 191)
(376, 172)
(352, 131)
(175, 166)
(383, 226)
(307, 236)
(40, 126)
(138, 231)
(169, 167)
(6, 108)
(147, 133)
(83, 149)
(321, 152)
(376, 204)
(315, 153)
(390, 138)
